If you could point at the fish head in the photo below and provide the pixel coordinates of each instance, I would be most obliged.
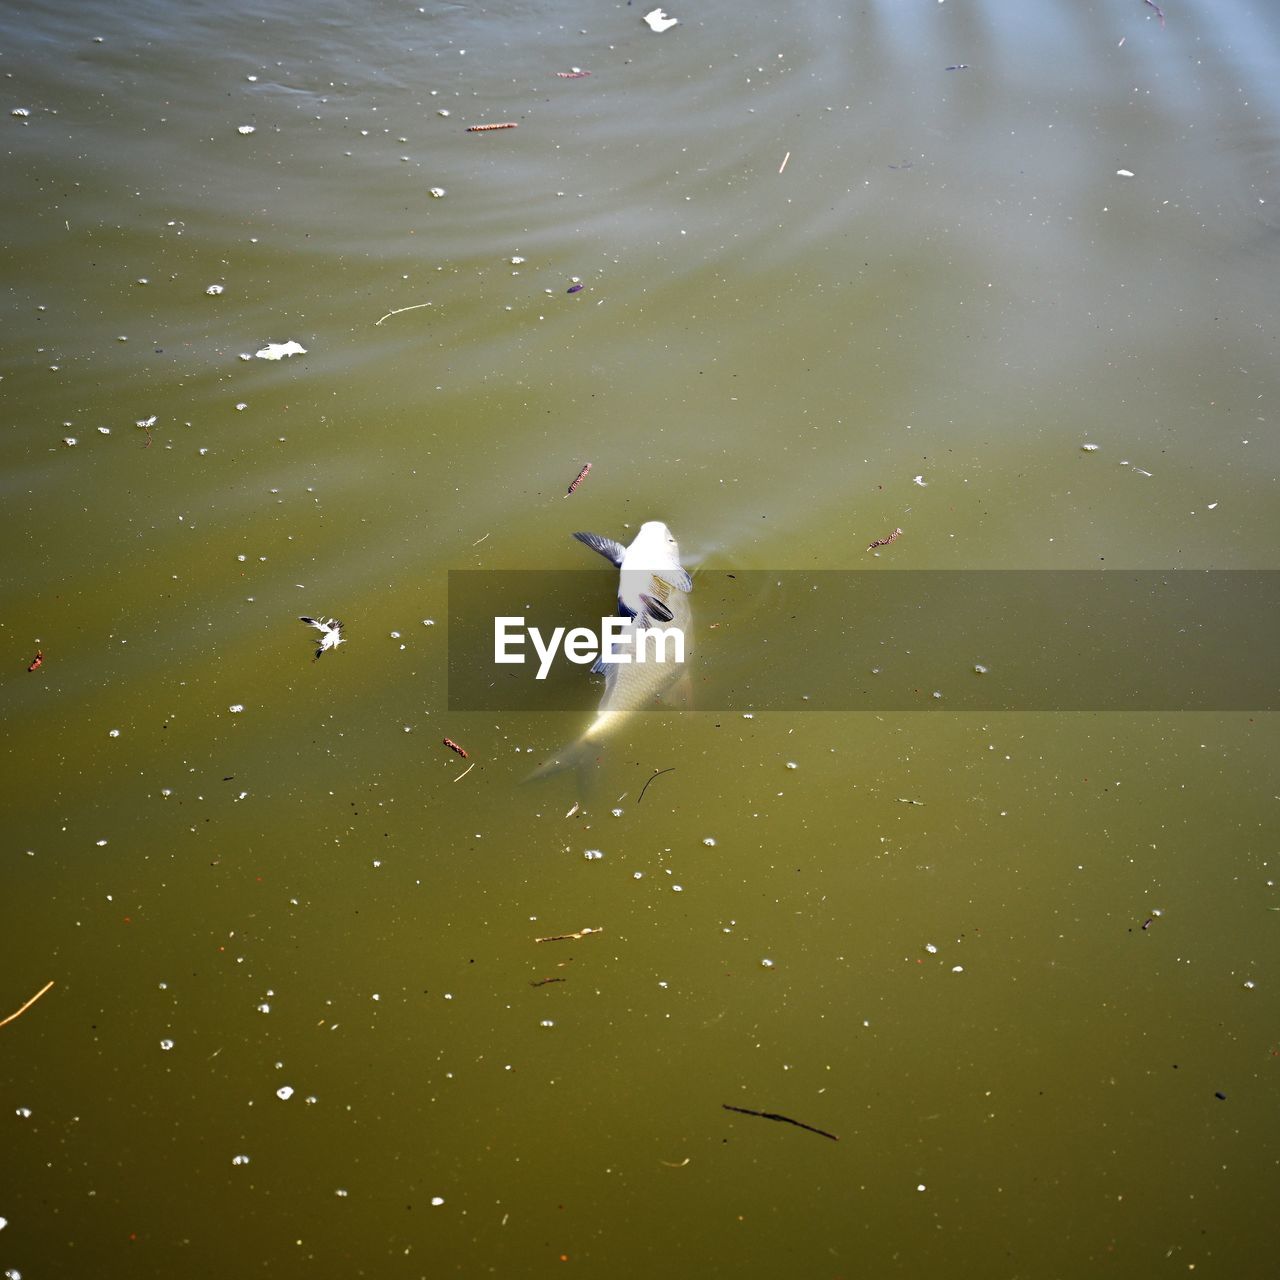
(654, 547)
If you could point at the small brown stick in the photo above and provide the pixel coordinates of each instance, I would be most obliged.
(453, 746)
(465, 771)
(484, 128)
(773, 1115)
(1157, 8)
(656, 775)
(25, 1007)
(564, 937)
(542, 982)
(579, 478)
(884, 542)
(36, 661)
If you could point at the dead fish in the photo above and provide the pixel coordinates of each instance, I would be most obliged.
(653, 595)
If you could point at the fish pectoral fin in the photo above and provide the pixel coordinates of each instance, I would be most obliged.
(677, 577)
(607, 547)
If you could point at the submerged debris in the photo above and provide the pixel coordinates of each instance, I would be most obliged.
(773, 1115)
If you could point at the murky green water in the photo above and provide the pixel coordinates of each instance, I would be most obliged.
(830, 288)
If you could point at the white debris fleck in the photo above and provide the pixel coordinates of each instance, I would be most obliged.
(213, 290)
(239, 1159)
(113, 733)
(166, 1044)
(104, 431)
(246, 129)
(236, 708)
(264, 1007)
(957, 968)
(517, 260)
(980, 669)
(766, 963)
(930, 948)
(547, 1022)
(278, 350)
(593, 855)
(241, 407)
(617, 813)
(146, 423)
(284, 1092)
(437, 193)
(437, 1201)
(20, 112)
(1090, 448)
(677, 888)
(1124, 173)
(23, 1113)
(921, 481)
(791, 764)
(70, 441)
(341, 1191)
(1213, 506)
(658, 21)
(709, 841)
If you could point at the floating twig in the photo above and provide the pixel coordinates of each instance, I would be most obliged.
(574, 810)
(453, 746)
(1157, 8)
(417, 306)
(465, 771)
(906, 800)
(671, 1165)
(478, 541)
(36, 661)
(575, 74)
(542, 982)
(884, 542)
(484, 128)
(783, 165)
(656, 775)
(19, 1012)
(773, 1115)
(565, 937)
(579, 478)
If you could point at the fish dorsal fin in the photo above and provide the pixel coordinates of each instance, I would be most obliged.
(607, 547)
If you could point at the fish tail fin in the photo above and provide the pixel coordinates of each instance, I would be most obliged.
(582, 758)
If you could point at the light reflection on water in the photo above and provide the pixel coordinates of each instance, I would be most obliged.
(947, 280)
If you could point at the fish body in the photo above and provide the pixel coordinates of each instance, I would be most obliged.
(330, 633)
(653, 595)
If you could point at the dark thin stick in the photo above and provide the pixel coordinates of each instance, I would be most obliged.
(1157, 8)
(773, 1115)
(542, 982)
(656, 775)
(19, 1012)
